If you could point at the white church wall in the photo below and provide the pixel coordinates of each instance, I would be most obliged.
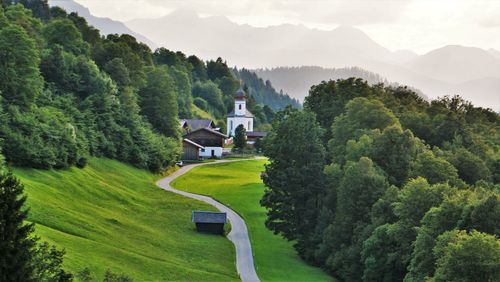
(236, 121)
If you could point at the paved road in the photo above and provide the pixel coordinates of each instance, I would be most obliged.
(239, 232)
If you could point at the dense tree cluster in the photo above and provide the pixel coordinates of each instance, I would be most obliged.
(375, 183)
(68, 93)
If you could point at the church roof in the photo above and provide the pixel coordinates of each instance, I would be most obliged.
(247, 114)
(240, 94)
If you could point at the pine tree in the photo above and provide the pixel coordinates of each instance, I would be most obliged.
(16, 246)
(240, 137)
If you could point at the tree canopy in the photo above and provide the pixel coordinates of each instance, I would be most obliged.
(406, 190)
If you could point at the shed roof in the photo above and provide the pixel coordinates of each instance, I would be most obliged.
(215, 132)
(192, 143)
(209, 217)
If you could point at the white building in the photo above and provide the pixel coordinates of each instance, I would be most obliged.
(240, 114)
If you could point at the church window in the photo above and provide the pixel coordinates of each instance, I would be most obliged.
(240, 106)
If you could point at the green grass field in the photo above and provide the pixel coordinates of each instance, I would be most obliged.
(238, 185)
(111, 215)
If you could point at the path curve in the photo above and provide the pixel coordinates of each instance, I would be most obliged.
(239, 232)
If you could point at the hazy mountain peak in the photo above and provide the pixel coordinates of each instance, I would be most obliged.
(494, 52)
(455, 64)
(105, 25)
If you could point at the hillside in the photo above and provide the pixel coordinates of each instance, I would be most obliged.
(274, 257)
(111, 215)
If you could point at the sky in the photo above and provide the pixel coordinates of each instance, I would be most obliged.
(417, 25)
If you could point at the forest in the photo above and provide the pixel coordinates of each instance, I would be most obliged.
(375, 183)
(69, 93)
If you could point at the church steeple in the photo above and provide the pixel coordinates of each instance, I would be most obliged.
(240, 95)
(240, 115)
(240, 107)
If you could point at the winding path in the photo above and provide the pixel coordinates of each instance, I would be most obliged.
(239, 232)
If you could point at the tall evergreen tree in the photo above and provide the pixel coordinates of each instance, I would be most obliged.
(16, 246)
(240, 137)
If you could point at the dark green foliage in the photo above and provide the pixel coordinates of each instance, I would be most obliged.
(85, 275)
(40, 8)
(465, 256)
(64, 33)
(471, 168)
(44, 138)
(16, 246)
(218, 69)
(434, 169)
(209, 92)
(110, 276)
(294, 180)
(263, 92)
(159, 101)
(240, 137)
(361, 186)
(20, 80)
(47, 261)
(82, 162)
(394, 151)
(199, 71)
(183, 89)
(376, 223)
(21, 258)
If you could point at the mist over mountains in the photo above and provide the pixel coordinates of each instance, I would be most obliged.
(471, 72)
(105, 25)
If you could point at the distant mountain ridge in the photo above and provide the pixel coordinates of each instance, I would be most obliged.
(470, 72)
(105, 25)
(448, 70)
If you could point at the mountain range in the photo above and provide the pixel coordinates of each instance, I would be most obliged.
(471, 72)
(105, 25)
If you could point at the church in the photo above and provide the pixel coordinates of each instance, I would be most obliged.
(240, 114)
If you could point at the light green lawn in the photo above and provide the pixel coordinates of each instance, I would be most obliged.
(111, 215)
(238, 185)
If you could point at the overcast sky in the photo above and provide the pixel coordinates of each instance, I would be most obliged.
(418, 25)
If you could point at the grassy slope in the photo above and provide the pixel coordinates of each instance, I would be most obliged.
(111, 215)
(201, 114)
(238, 185)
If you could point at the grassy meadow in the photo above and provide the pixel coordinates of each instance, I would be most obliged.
(111, 215)
(238, 185)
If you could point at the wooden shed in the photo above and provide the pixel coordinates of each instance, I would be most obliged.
(209, 222)
(190, 150)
